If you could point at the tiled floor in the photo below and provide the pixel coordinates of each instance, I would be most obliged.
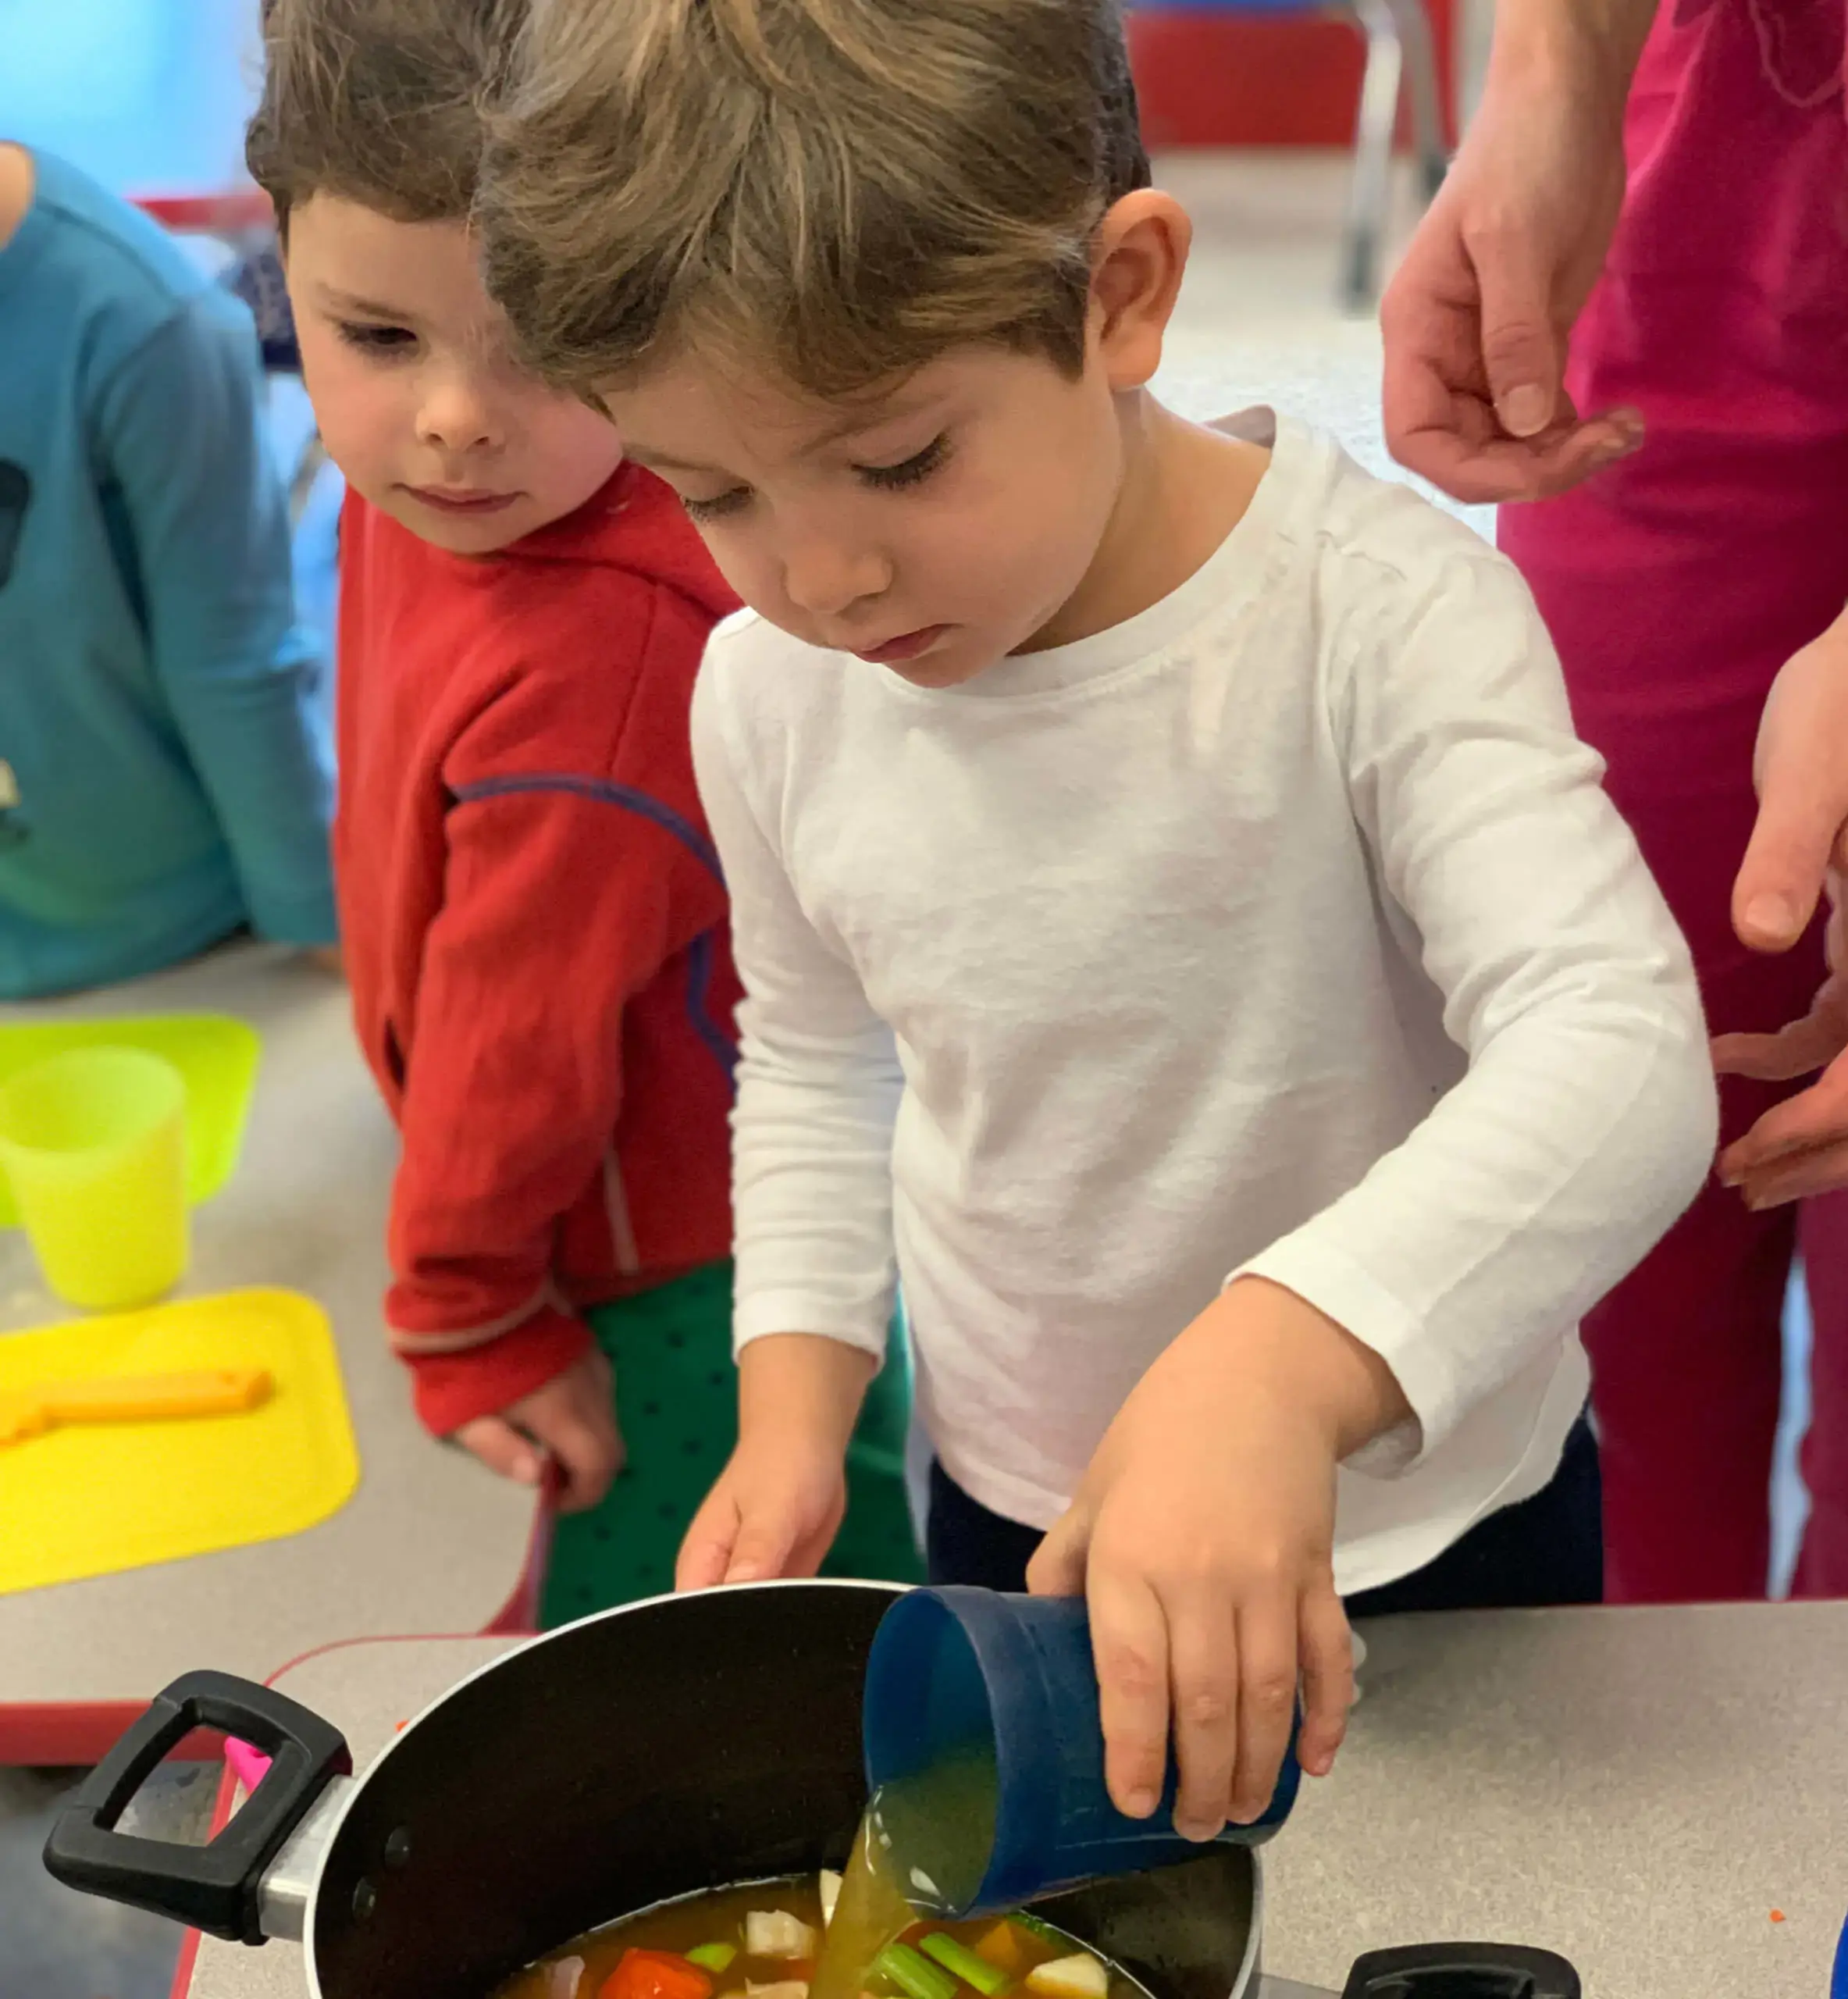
(1257, 323)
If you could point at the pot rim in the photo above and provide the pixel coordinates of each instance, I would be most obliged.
(1242, 1984)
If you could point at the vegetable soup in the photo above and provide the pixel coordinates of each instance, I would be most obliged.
(761, 1943)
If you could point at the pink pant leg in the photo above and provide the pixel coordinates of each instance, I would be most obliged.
(1675, 585)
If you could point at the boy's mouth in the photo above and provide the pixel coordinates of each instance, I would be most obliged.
(907, 646)
(462, 499)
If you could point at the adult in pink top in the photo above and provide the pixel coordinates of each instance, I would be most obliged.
(1666, 371)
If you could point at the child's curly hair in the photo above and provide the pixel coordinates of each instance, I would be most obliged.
(841, 189)
(379, 102)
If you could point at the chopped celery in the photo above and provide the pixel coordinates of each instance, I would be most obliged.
(962, 1962)
(915, 1976)
(714, 1958)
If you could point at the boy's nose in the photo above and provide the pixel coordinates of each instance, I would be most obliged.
(454, 417)
(826, 579)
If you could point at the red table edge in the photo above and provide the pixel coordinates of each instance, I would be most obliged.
(57, 1733)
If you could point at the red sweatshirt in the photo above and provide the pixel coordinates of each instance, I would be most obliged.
(535, 928)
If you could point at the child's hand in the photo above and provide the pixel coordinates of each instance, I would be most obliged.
(1203, 1537)
(571, 1419)
(778, 1505)
(774, 1511)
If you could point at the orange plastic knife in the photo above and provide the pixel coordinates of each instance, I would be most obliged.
(26, 1412)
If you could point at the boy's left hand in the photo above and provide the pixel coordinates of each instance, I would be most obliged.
(1203, 1537)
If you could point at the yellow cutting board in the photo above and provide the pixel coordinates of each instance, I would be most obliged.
(91, 1499)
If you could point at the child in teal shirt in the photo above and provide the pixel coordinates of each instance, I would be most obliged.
(166, 769)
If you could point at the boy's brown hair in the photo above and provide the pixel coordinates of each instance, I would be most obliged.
(379, 102)
(839, 189)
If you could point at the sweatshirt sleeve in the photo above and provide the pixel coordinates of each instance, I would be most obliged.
(1585, 1122)
(818, 1086)
(182, 436)
(567, 888)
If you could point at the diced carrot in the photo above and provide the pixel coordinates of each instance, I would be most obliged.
(1000, 1947)
(655, 1975)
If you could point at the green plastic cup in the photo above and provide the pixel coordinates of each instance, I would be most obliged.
(94, 1143)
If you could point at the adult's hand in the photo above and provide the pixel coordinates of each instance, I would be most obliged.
(1477, 318)
(1798, 849)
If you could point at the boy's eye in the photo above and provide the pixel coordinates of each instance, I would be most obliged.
(716, 508)
(909, 472)
(373, 339)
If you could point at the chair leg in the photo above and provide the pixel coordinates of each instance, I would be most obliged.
(1428, 136)
(1369, 200)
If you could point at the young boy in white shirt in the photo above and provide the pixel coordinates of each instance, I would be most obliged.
(1182, 934)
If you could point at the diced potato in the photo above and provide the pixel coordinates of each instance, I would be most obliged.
(775, 1932)
(563, 1979)
(1001, 1948)
(1081, 1976)
(830, 1887)
(784, 1988)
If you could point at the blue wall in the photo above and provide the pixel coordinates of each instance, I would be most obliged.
(148, 95)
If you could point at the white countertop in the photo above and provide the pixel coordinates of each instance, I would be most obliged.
(430, 1542)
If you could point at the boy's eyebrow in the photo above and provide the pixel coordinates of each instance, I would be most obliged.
(351, 302)
(850, 426)
(665, 461)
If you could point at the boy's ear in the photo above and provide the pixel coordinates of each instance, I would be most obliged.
(1136, 269)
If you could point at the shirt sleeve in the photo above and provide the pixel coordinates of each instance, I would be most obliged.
(818, 1090)
(181, 435)
(1585, 1120)
(563, 896)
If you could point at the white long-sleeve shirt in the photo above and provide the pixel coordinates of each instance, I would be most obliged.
(1283, 929)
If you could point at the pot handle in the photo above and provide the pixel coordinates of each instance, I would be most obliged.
(1462, 1971)
(213, 1887)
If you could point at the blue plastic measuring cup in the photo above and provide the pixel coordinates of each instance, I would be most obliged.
(1009, 1681)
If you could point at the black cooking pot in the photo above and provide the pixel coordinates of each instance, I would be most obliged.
(686, 1743)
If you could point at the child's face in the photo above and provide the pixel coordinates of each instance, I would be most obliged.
(418, 400)
(933, 530)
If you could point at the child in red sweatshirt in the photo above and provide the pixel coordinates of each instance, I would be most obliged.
(535, 921)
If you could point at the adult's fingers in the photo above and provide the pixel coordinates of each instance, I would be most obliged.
(1203, 1670)
(1492, 471)
(1327, 1646)
(1523, 358)
(1798, 1177)
(1802, 802)
(502, 1449)
(1267, 1630)
(1129, 1642)
(1798, 1050)
(1814, 1118)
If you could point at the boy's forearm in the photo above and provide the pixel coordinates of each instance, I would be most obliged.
(802, 1387)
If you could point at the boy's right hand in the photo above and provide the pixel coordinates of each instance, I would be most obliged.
(571, 1419)
(779, 1504)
